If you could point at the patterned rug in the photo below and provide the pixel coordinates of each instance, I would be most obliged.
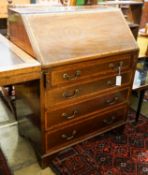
(112, 153)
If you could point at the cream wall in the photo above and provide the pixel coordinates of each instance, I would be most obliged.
(3, 6)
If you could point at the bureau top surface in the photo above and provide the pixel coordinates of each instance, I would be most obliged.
(62, 35)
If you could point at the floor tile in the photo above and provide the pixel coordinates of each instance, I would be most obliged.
(34, 170)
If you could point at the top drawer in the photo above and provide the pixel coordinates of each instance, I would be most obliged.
(99, 67)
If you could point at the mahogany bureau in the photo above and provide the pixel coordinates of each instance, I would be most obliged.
(87, 58)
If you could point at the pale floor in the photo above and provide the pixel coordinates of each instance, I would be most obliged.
(19, 153)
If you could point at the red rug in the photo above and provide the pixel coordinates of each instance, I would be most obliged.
(112, 153)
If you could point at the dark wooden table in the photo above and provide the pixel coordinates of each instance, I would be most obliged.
(140, 84)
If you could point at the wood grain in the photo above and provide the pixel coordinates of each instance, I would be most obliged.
(74, 29)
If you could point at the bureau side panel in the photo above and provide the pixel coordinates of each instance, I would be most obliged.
(18, 34)
(29, 112)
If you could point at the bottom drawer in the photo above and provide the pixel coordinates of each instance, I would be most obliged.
(82, 130)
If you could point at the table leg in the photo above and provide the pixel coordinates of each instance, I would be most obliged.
(140, 100)
(6, 96)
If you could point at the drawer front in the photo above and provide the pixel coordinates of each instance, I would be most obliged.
(67, 94)
(81, 130)
(75, 111)
(77, 72)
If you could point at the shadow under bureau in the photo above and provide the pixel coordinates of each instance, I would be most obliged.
(87, 58)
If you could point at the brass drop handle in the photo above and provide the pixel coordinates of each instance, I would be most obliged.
(66, 76)
(112, 101)
(121, 63)
(67, 116)
(64, 136)
(109, 121)
(71, 94)
(115, 65)
(110, 83)
(111, 65)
